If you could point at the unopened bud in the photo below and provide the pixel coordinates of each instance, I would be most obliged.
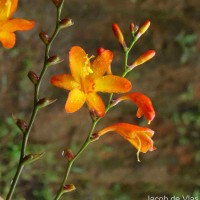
(94, 137)
(132, 28)
(53, 60)
(69, 188)
(68, 154)
(32, 157)
(44, 37)
(33, 77)
(100, 50)
(119, 35)
(143, 29)
(57, 2)
(21, 124)
(143, 58)
(64, 23)
(45, 102)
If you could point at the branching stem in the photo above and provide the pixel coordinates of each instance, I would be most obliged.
(35, 106)
(93, 126)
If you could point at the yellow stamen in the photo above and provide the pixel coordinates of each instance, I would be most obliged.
(87, 69)
(138, 152)
(8, 6)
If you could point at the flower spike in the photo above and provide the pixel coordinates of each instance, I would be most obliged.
(144, 104)
(139, 137)
(8, 25)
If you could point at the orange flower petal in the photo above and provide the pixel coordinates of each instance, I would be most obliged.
(112, 84)
(144, 104)
(18, 25)
(64, 81)
(7, 39)
(139, 137)
(7, 8)
(75, 100)
(13, 7)
(95, 104)
(77, 60)
(101, 63)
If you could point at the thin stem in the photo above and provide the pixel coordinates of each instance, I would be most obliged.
(35, 106)
(70, 163)
(94, 123)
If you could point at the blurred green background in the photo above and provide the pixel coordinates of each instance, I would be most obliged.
(108, 169)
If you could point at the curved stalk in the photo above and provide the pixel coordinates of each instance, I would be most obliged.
(35, 106)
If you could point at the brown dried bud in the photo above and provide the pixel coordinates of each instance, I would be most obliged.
(53, 60)
(64, 23)
(68, 188)
(32, 157)
(22, 125)
(44, 37)
(68, 154)
(33, 77)
(45, 102)
(94, 137)
(57, 2)
(132, 28)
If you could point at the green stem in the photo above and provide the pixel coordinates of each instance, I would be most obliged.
(35, 107)
(83, 147)
(70, 163)
(94, 123)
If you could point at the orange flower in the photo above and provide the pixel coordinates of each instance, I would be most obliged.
(139, 137)
(144, 104)
(8, 25)
(88, 78)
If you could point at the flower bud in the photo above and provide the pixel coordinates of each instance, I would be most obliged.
(64, 23)
(33, 77)
(119, 35)
(143, 29)
(32, 157)
(132, 28)
(143, 58)
(44, 37)
(45, 102)
(53, 60)
(57, 2)
(68, 188)
(21, 124)
(100, 50)
(68, 154)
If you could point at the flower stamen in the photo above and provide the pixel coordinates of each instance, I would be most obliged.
(87, 69)
(139, 148)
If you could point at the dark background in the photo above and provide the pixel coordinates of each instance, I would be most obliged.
(108, 169)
